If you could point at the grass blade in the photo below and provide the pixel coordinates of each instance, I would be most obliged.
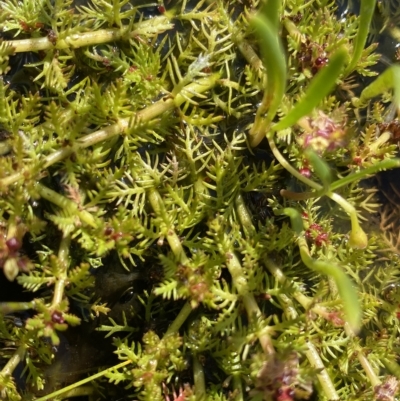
(366, 12)
(274, 62)
(319, 88)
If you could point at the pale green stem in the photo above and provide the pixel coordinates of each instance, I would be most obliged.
(368, 369)
(322, 375)
(392, 366)
(143, 116)
(351, 304)
(199, 381)
(302, 299)
(289, 168)
(65, 203)
(153, 26)
(79, 392)
(173, 240)
(358, 238)
(73, 41)
(244, 216)
(288, 307)
(238, 387)
(11, 307)
(262, 121)
(177, 249)
(61, 280)
(383, 165)
(174, 328)
(306, 302)
(14, 361)
(293, 31)
(373, 378)
(311, 353)
(179, 320)
(81, 382)
(248, 53)
(359, 175)
(250, 304)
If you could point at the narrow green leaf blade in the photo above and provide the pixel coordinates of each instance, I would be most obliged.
(347, 292)
(366, 12)
(390, 79)
(319, 88)
(273, 59)
(320, 167)
(270, 11)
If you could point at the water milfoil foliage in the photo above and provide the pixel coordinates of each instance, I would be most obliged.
(186, 202)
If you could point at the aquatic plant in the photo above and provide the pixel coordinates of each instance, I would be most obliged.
(186, 198)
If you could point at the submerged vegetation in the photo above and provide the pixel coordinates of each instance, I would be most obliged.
(187, 206)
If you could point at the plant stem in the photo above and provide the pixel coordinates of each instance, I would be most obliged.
(152, 27)
(250, 304)
(306, 302)
(311, 353)
(13, 362)
(199, 381)
(66, 204)
(249, 54)
(302, 299)
(177, 249)
(369, 371)
(244, 216)
(197, 87)
(286, 165)
(84, 381)
(11, 307)
(61, 280)
(365, 173)
(238, 387)
(173, 240)
(358, 238)
(179, 320)
(373, 378)
(81, 391)
(392, 366)
(351, 304)
(322, 375)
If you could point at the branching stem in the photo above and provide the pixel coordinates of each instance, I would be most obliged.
(249, 301)
(153, 26)
(358, 238)
(66, 204)
(311, 353)
(197, 87)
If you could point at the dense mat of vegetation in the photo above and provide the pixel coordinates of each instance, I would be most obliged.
(186, 200)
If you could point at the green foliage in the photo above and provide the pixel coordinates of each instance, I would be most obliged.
(150, 158)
